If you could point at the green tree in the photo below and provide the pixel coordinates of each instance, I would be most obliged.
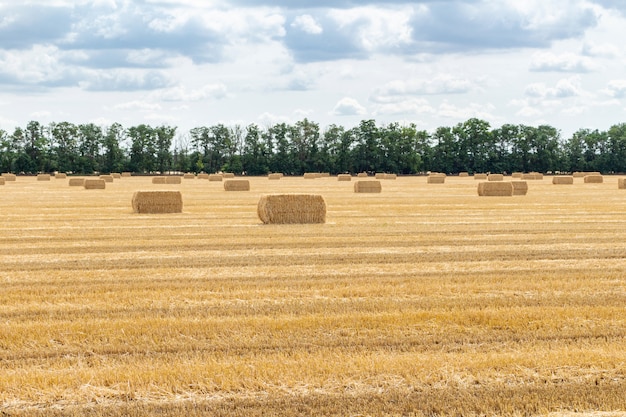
(143, 148)
(255, 156)
(65, 146)
(164, 135)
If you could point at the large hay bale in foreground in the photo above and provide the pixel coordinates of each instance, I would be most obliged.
(60, 176)
(292, 208)
(237, 185)
(621, 183)
(480, 176)
(9, 177)
(43, 177)
(563, 180)
(496, 189)
(436, 179)
(152, 202)
(159, 180)
(94, 184)
(593, 179)
(519, 187)
(367, 186)
(216, 177)
(275, 176)
(344, 177)
(77, 182)
(107, 178)
(495, 177)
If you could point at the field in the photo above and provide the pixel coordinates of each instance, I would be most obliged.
(424, 299)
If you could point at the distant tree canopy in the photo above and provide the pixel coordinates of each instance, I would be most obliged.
(472, 146)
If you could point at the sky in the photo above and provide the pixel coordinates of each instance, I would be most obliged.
(190, 63)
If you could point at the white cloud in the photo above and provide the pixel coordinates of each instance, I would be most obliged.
(441, 84)
(182, 93)
(138, 105)
(564, 88)
(616, 89)
(348, 106)
(567, 62)
(411, 106)
(307, 24)
(600, 50)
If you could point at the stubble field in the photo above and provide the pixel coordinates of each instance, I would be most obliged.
(424, 299)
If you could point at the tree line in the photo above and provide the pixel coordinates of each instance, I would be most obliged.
(292, 149)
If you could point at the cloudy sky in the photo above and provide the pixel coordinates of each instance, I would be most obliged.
(434, 63)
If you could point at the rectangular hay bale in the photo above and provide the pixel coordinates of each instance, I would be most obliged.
(495, 177)
(159, 180)
(94, 184)
(237, 185)
(9, 177)
(60, 175)
(173, 179)
(107, 177)
(157, 202)
(292, 209)
(189, 176)
(621, 183)
(480, 176)
(2, 181)
(496, 189)
(593, 179)
(563, 179)
(43, 177)
(367, 186)
(215, 177)
(274, 176)
(228, 175)
(436, 179)
(77, 182)
(519, 187)
(344, 177)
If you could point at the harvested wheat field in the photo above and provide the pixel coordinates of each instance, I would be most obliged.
(414, 301)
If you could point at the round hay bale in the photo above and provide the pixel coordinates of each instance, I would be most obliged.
(107, 178)
(344, 177)
(519, 187)
(157, 202)
(563, 180)
(60, 176)
(367, 186)
(237, 185)
(159, 180)
(435, 179)
(621, 183)
(495, 177)
(173, 179)
(480, 176)
(94, 184)
(593, 179)
(43, 177)
(292, 209)
(77, 182)
(189, 176)
(9, 177)
(496, 189)
(203, 176)
(275, 176)
(215, 177)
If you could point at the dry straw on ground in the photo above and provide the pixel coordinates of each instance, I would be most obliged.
(496, 189)
(292, 209)
(94, 184)
(344, 177)
(216, 177)
(367, 186)
(153, 202)
(563, 180)
(480, 176)
(519, 187)
(495, 177)
(237, 185)
(436, 179)
(593, 179)
(77, 182)
(275, 176)
(43, 177)
(107, 178)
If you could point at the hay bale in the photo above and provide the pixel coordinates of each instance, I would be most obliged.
(215, 177)
(497, 189)
(367, 186)
(563, 179)
(2, 181)
(495, 177)
(379, 175)
(582, 174)
(237, 185)
(60, 176)
(344, 177)
(311, 175)
(152, 202)
(43, 177)
(94, 184)
(173, 179)
(228, 175)
(362, 175)
(324, 174)
(203, 176)
(276, 176)
(463, 174)
(107, 178)
(159, 180)
(390, 176)
(116, 175)
(436, 179)
(9, 177)
(77, 182)
(480, 176)
(519, 187)
(291, 209)
(593, 179)
(189, 176)
(621, 183)
(126, 174)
